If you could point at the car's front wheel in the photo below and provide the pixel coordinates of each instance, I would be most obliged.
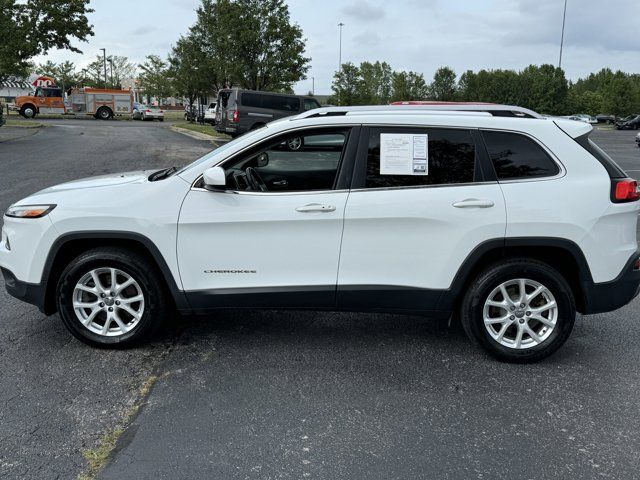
(110, 297)
(521, 310)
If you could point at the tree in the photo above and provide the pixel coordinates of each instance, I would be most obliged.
(545, 89)
(118, 68)
(443, 87)
(409, 86)
(375, 83)
(251, 43)
(33, 27)
(154, 77)
(64, 73)
(188, 76)
(346, 85)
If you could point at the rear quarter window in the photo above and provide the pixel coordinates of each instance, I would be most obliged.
(515, 156)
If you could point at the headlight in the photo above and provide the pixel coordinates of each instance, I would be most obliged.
(29, 211)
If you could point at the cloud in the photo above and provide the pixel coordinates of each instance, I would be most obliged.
(363, 10)
(369, 38)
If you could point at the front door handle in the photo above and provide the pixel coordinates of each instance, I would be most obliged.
(316, 207)
(280, 183)
(474, 203)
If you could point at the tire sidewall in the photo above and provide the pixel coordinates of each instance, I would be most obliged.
(540, 273)
(84, 264)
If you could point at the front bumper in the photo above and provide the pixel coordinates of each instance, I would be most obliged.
(27, 292)
(610, 296)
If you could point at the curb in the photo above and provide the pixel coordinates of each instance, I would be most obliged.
(196, 135)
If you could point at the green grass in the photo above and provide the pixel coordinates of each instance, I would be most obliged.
(204, 129)
(98, 456)
(174, 114)
(17, 122)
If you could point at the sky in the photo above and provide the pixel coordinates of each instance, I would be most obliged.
(418, 35)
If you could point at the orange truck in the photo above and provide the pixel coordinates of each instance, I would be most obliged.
(101, 103)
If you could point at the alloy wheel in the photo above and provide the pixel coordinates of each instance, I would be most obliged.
(108, 302)
(520, 313)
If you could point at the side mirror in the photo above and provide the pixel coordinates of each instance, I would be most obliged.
(214, 178)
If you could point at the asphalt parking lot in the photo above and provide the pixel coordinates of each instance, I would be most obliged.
(293, 395)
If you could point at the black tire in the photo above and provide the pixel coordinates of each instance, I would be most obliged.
(134, 265)
(161, 119)
(472, 308)
(28, 111)
(296, 143)
(104, 113)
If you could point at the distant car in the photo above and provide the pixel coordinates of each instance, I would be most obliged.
(136, 114)
(151, 112)
(608, 119)
(240, 111)
(632, 122)
(583, 117)
(210, 114)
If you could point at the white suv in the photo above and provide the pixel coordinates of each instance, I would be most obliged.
(511, 220)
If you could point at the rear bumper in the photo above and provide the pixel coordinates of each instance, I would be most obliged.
(609, 296)
(27, 292)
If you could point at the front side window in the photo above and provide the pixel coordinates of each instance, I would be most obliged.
(302, 161)
(310, 104)
(414, 157)
(515, 156)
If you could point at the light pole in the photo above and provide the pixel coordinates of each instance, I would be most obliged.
(313, 85)
(111, 70)
(340, 53)
(564, 19)
(104, 62)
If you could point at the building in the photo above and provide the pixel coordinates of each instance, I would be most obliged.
(12, 88)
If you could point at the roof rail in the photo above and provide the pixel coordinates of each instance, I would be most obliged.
(424, 107)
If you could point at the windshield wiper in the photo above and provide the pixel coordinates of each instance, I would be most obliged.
(162, 174)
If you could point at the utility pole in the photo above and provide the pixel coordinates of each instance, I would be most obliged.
(104, 62)
(340, 54)
(564, 19)
(313, 85)
(111, 70)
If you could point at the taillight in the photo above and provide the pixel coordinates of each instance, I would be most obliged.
(624, 190)
(147, 111)
(236, 116)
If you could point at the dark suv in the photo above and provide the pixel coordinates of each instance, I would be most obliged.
(632, 122)
(242, 110)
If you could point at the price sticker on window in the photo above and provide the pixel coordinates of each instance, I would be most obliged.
(404, 154)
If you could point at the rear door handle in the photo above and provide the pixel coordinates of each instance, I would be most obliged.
(316, 207)
(280, 183)
(474, 203)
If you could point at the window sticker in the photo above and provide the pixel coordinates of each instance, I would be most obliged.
(404, 154)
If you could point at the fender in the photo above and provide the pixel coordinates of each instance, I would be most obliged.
(504, 247)
(177, 294)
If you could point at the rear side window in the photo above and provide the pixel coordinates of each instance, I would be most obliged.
(451, 158)
(272, 102)
(516, 156)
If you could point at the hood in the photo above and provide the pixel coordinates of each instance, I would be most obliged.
(100, 181)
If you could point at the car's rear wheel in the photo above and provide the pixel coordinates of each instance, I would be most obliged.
(110, 297)
(521, 310)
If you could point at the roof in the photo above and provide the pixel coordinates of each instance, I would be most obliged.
(13, 83)
(426, 108)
